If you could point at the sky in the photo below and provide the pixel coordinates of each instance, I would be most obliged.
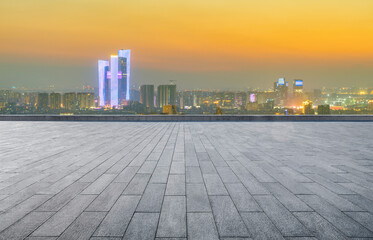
(214, 44)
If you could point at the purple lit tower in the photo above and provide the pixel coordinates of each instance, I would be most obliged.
(103, 67)
(114, 79)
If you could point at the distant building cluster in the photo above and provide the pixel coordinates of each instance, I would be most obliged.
(47, 102)
(114, 95)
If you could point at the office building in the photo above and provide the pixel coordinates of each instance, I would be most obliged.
(114, 79)
(166, 95)
(103, 83)
(55, 101)
(297, 88)
(281, 88)
(147, 95)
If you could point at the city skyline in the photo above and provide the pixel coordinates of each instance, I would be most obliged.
(225, 45)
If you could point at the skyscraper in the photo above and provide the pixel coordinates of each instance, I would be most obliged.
(297, 88)
(103, 85)
(147, 95)
(166, 95)
(114, 79)
(281, 88)
(124, 67)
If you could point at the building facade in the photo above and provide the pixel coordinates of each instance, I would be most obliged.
(55, 101)
(166, 95)
(147, 95)
(114, 79)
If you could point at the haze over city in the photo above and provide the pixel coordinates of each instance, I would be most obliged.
(210, 44)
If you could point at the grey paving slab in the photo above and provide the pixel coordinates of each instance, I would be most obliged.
(137, 184)
(19, 211)
(227, 175)
(193, 175)
(319, 227)
(227, 218)
(242, 198)
(260, 226)
(195, 229)
(63, 218)
(164, 180)
(127, 174)
(362, 202)
(108, 197)
(175, 185)
(197, 199)
(99, 184)
(143, 226)
(160, 175)
(25, 226)
(340, 220)
(214, 185)
(83, 227)
(117, 220)
(151, 200)
(281, 217)
(62, 198)
(287, 198)
(177, 168)
(172, 222)
(364, 218)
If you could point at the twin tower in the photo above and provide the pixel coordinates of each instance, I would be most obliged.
(114, 79)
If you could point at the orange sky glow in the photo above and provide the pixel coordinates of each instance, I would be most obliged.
(190, 35)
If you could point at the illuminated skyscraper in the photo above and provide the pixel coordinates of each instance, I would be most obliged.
(147, 95)
(103, 68)
(297, 87)
(124, 67)
(281, 88)
(114, 79)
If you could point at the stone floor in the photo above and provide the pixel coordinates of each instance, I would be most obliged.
(112, 180)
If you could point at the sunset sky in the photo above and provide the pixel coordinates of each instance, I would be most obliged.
(200, 44)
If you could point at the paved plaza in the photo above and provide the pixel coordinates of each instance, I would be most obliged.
(186, 180)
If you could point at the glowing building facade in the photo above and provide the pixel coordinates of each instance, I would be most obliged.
(114, 79)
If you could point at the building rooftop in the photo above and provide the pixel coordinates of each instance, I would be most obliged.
(195, 180)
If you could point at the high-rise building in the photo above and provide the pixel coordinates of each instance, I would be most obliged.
(43, 101)
(85, 100)
(114, 79)
(281, 88)
(55, 101)
(124, 67)
(297, 88)
(69, 101)
(103, 83)
(166, 95)
(147, 95)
